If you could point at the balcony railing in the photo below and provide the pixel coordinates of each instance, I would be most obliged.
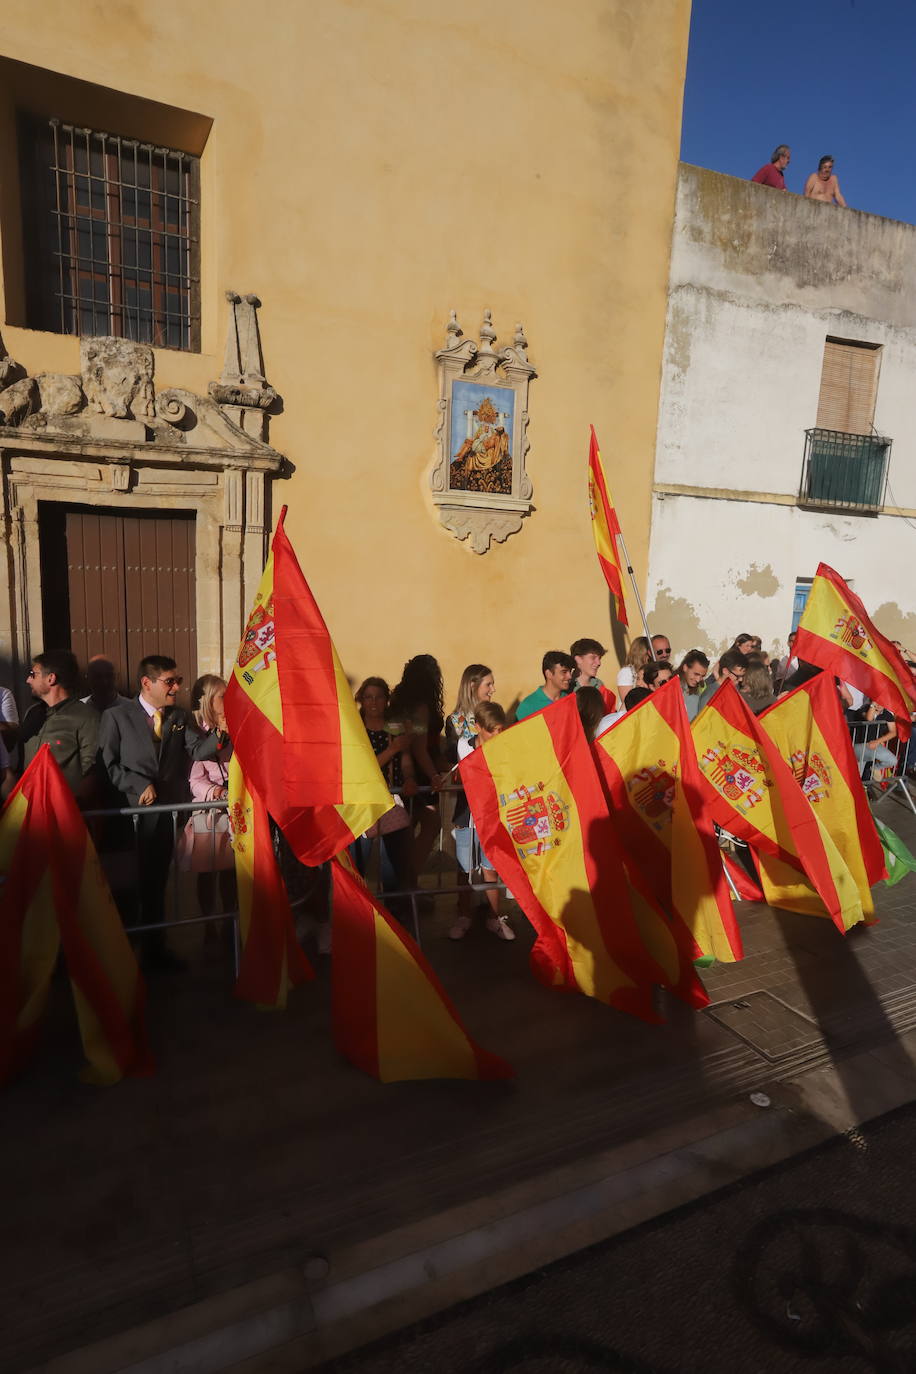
(844, 471)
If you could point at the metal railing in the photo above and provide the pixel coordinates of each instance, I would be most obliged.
(122, 865)
(882, 767)
(844, 471)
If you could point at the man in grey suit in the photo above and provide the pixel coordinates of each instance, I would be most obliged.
(147, 744)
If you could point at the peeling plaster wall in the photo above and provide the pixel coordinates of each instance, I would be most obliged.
(758, 280)
(719, 568)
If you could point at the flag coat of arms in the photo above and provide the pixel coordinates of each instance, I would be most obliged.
(836, 634)
(750, 791)
(809, 730)
(543, 822)
(56, 895)
(605, 527)
(294, 724)
(648, 765)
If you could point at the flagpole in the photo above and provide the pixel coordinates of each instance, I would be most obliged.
(642, 614)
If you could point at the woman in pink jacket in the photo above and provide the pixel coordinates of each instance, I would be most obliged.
(206, 848)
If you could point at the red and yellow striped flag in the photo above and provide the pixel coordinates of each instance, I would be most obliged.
(55, 893)
(836, 634)
(272, 961)
(751, 792)
(293, 721)
(650, 773)
(809, 730)
(392, 1017)
(605, 527)
(544, 824)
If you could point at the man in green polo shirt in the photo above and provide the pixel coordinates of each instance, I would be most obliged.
(70, 728)
(557, 668)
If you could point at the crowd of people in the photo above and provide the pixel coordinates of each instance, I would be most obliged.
(142, 751)
(146, 752)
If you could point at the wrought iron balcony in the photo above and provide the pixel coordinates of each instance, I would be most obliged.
(844, 471)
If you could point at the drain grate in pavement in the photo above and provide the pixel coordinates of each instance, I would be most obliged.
(767, 1025)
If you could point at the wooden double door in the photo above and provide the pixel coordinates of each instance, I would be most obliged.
(119, 585)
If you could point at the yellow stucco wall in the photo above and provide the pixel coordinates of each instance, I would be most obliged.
(371, 165)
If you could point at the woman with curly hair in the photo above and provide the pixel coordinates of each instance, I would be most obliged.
(396, 762)
(416, 709)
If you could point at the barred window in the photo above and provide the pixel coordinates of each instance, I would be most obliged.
(112, 236)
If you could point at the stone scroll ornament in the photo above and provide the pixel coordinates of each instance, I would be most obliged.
(479, 483)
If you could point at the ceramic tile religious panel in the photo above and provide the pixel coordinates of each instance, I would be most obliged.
(479, 482)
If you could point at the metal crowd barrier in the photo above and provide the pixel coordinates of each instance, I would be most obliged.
(443, 850)
(110, 859)
(121, 866)
(882, 767)
(882, 770)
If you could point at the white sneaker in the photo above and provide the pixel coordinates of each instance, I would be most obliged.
(500, 927)
(460, 928)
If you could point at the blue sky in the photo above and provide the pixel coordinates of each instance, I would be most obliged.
(824, 76)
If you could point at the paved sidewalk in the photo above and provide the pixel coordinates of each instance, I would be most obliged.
(808, 1266)
(255, 1147)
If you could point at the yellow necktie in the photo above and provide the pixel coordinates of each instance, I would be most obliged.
(157, 725)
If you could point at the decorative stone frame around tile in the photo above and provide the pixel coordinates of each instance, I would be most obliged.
(482, 517)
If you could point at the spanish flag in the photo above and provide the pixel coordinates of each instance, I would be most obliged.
(836, 634)
(750, 791)
(809, 730)
(605, 527)
(391, 1015)
(650, 772)
(543, 823)
(293, 721)
(272, 961)
(55, 894)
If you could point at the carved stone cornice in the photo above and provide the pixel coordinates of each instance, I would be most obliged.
(112, 406)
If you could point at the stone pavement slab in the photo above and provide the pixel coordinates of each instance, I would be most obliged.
(255, 1147)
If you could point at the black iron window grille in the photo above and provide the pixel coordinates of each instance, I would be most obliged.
(844, 471)
(113, 236)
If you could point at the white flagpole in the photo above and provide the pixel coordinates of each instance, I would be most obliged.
(642, 614)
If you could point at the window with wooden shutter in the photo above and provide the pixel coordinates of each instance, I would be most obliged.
(849, 386)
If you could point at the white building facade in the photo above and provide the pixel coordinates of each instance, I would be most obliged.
(787, 418)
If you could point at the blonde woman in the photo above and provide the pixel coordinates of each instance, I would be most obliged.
(205, 848)
(630, 674)
(476, 685)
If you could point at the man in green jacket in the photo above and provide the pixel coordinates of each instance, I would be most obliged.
(70, 728)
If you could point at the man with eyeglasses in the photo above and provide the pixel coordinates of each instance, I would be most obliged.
(60, 720)
(147, 745)
(730, 668)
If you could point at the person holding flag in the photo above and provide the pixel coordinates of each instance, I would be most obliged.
(302, 756)
(835, 633)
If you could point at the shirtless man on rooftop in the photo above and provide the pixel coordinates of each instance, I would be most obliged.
(823, 185)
